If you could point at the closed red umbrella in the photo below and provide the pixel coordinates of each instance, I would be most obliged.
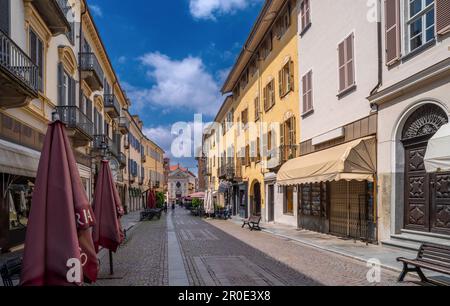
(151, 199)
(108, 209)
(59, 237)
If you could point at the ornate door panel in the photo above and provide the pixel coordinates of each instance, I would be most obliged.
(416, 189)
(440, 203)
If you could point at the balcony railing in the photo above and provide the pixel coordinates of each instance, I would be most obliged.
(124, 125)
(55, 14)
(91, 70)
(18, 65)
(101, 142)
(112, 106)
(74, 119)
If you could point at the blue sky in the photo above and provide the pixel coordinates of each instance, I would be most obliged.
(172, 56)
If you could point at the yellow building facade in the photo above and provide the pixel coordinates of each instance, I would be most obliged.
(257, 128)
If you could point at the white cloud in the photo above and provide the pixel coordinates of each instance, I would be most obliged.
(161, 135)
(179, 85)
(122, 59)
(96, 10)
(210, 9)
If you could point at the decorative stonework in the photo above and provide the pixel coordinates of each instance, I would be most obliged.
(425, 121)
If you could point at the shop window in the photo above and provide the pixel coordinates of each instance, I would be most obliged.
(312, 199)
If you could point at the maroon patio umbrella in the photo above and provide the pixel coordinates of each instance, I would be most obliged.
(108, 209)
(59, 226)
(151, 199)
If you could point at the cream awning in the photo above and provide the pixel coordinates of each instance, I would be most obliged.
(355, 160)
(437, 158)
(18, 160)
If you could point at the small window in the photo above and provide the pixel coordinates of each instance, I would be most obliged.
(346, 64)
(286, 79)
(257, 109)
(421, 23)
(244, 116)
(307, 93)
(305, 15)
(269, 96)
(37, 57)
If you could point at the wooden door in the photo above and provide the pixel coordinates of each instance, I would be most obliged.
(417, 196)
(440, 203)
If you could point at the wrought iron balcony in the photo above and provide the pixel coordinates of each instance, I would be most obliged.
(101, 143)
(81, 129)
(55, 14)
(91, 71)
(124, 125)
(112, 106)
(18, 75)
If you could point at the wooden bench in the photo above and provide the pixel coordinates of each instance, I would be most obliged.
(149, 214)
(430, 257)
(252, 223)
(10, 271)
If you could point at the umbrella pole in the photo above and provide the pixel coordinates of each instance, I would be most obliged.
(111, 264)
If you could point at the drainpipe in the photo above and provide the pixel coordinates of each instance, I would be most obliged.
(380, 53)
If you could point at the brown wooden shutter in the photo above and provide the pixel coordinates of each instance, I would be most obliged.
(350, 65)
(305, 90)
(442, 16)
(307, 12)
(280, 83)
(342, 68)
(291, 76)
(309, 94)
(265, 98)
(392, 12)
(272, 102)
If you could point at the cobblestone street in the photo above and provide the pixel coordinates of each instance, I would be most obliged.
(183, 250)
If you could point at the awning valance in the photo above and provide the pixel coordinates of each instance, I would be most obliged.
(18, 160)
(354, 160)
(437, 158)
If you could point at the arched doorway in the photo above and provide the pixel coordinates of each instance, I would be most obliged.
(423, 210)
(255, 199)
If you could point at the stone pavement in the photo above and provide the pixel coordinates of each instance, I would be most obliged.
(387, 256)
(323, 266)
(181, 249)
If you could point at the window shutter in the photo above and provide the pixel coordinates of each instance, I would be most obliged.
(272, 93)
(392, 12)
(342, 68)
(4, 16)
(350, 66)
(89, 109)
(265, 98)
(280, 83)
(442, 16)
(72, 92)
(307, 12)
(291, 76)
(61, 101)
(265, 145)
(304, 91)
(40, 63)
(310, 91)
(96, 122)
